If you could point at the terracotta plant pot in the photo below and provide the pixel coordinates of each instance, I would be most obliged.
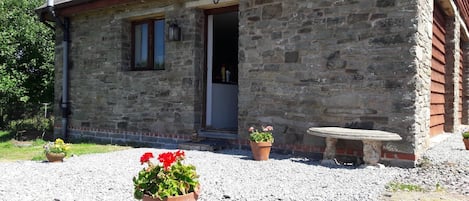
(187, 197)
(260, 150)
(55, 157)
(466, 143)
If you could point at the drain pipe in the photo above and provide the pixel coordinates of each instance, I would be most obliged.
(65, 104)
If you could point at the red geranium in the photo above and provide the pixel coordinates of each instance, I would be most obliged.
(146, 157)
(179, 154)
(167, 159)
(169, 177)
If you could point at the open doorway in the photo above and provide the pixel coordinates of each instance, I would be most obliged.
(222, 71)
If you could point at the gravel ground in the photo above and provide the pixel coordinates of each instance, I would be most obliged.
(445, 166)
(230, 175)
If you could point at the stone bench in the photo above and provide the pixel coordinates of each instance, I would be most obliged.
(372, 141)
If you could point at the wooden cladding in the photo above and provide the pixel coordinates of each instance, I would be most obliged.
(437, 98)
(461, 82)
(463, 7)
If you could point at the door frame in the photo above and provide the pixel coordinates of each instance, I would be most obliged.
(207, 13)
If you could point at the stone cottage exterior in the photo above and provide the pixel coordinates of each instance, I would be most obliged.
(393, 65)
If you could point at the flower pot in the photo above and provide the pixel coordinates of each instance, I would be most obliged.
(193, 196)
(466, 143)
(55, 157)
(260, 150)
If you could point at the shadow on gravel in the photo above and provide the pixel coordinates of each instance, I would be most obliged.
(276, 157)
(247, 154)
(244, 154)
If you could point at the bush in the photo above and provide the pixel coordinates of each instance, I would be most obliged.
(32, 124)
(37, 124)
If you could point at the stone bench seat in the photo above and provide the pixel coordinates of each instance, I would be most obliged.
(372, 141)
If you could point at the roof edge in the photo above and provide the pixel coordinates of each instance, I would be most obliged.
(43, 10)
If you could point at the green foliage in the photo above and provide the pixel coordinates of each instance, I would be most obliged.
(26, 60)
(465, 135)
(59, 146)
(6, 136)
(439, 188)
(11, 152)
(38, 142)
(424, 162)
(158, 182)
(6, 145)
(37, 123)
(261, 136)
(40, 157)
(404, 187)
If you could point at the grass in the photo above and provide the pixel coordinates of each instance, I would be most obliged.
(404, 187)
(10, 151)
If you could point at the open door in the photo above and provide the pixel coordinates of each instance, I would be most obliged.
(222, 71)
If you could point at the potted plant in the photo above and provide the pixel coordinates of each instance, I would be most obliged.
(465, 139)
(169, 181)
(261, 142)
(56, 151)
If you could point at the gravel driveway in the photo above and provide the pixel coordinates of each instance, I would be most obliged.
(228, 175)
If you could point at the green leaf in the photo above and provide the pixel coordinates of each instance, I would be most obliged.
(26, 59)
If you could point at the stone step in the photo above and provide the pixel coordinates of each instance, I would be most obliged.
(216, 134)
(204, 145)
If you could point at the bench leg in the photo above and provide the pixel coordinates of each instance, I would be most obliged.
(329, 152)
(371, 152)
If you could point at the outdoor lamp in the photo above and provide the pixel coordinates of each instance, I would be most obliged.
(174, 32)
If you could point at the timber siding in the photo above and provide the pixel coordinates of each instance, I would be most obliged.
(301, 64)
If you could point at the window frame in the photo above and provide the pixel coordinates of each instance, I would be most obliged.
(151, 44)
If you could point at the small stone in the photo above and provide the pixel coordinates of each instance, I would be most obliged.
(335, 62)
(291, 57)
(272, 11)
(387, 195)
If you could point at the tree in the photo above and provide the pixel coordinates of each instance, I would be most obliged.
(26, 60)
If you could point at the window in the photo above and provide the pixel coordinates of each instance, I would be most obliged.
(148, 39)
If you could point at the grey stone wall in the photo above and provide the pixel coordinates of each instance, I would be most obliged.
(105, 94)
(329, 63)
(302, 63)
(421, 81)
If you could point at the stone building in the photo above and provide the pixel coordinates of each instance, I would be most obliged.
(393, 65)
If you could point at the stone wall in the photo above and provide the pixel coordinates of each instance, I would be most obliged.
(302, 63)
(106, 94)
(422, 80)
(329, 63)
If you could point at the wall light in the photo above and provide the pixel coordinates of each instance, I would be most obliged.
(174, 32)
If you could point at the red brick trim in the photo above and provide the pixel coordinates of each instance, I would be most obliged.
(115, 131)
(397, 155)
(386, 155)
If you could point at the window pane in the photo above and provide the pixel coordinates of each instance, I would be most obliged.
(159, 44)
(141, 45)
